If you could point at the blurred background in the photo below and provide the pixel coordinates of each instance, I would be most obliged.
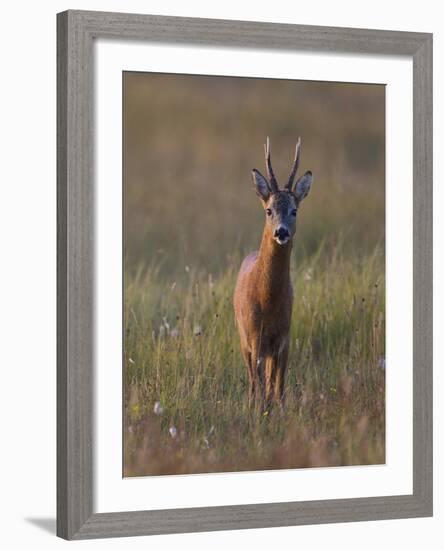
(190, 143)
(191, 214)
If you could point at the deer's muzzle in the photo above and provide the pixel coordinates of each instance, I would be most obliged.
(281, 235)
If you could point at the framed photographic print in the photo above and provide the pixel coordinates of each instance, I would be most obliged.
(244, 275)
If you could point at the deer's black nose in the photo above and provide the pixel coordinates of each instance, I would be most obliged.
(281, 233)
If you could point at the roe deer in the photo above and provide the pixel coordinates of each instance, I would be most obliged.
(263, 297)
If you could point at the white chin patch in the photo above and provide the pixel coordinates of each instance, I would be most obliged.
(282, 241)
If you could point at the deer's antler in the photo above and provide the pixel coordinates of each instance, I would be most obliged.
(271, 179)
(297, 157)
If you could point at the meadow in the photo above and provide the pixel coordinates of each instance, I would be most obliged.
(190, 215)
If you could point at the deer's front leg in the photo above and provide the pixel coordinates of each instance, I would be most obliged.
(260, 378)
(257, 366)
(252, 382)
(281, 369)
(270, 375)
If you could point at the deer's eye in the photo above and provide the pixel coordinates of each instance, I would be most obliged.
(293, 212)
(268, 211)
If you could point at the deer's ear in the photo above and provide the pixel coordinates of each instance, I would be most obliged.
(261, 185)
(303, 185)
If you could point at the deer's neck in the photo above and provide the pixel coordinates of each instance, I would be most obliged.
(272, 269)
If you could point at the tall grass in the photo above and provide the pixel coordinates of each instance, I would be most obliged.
(182, 352)
(190, 216)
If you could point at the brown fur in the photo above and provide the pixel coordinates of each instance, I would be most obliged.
(263, 301)
(263, 297)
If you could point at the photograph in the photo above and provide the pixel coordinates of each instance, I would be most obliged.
(253, 274)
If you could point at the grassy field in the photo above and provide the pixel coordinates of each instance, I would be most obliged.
(182, 351)
(190, 217)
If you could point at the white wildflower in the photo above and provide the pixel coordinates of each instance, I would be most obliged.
(173, 432)
(158, 409)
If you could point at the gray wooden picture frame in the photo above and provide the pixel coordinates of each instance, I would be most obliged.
(76, 32)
